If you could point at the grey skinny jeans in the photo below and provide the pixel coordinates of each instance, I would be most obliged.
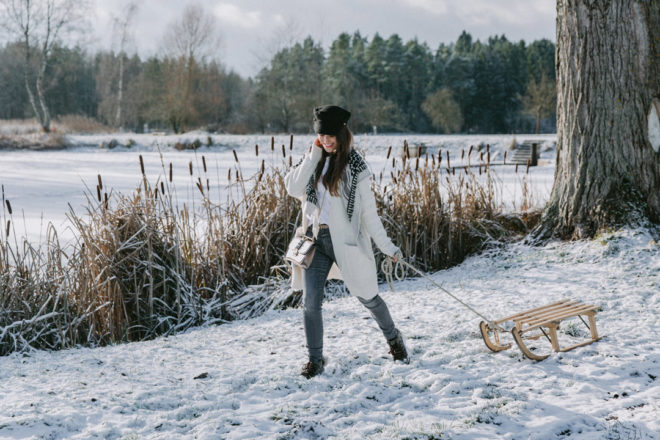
(315, 277)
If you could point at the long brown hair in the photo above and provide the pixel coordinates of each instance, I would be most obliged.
(338, 162)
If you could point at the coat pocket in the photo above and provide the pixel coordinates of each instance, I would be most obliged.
(358, 268)
(359, 272)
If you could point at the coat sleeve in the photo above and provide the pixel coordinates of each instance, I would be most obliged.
(371, 221)
(297, 178)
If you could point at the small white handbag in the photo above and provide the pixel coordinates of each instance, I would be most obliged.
(301, 250)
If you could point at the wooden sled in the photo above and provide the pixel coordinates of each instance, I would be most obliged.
(545, 319)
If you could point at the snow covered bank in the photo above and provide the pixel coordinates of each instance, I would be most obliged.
(241, 380)
(154, 142)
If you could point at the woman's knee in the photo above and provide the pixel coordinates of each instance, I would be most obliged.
(371, 303)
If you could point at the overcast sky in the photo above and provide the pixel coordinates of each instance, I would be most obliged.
(251, 30)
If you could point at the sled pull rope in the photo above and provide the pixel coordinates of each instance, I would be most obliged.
(397, 270)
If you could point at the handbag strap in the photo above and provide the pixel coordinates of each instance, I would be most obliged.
(305, 220)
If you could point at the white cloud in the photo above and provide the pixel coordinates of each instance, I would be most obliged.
(234, 15)
(510, 12)
(438, 7)
(278, 20)
(484, 12)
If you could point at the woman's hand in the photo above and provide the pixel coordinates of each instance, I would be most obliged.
(317, 142)
(398, 255)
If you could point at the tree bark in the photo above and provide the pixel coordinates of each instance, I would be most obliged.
(120, 92)
(44, 117)
(608, 65)
(26, 33)
(122, 26)
(538, 124)
(26, 77)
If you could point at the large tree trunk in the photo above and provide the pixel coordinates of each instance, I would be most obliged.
(608, 65)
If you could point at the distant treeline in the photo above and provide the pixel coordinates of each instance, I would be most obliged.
(497, 86)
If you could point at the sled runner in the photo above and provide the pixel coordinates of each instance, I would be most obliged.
(546, 320)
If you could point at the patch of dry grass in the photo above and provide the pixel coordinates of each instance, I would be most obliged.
(80, 124)
(35, 311)
(62, 124)
(19, 126)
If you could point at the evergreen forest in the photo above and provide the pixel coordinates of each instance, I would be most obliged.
(390, 85)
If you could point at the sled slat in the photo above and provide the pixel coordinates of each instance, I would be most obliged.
(543, 322)
(521, 314)
(548, 312)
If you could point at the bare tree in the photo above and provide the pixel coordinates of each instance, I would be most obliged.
(122, 30)
(39, 25)
(192, 40)
(193, 37)
(608, 66)
(541, 99)
(279, 37)
(444, 111)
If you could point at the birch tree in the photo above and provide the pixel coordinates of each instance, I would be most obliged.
(39, 25)
(540, 100)
(608, 161)
(123, 32)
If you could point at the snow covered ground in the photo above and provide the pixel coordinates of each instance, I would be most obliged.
(41, 184)
(241, 380)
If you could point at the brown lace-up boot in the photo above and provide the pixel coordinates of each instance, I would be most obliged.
(312, 368)
(398, 348)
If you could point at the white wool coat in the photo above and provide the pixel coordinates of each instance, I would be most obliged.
(351, 240)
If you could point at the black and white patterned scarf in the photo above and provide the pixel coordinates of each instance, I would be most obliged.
(356, 166)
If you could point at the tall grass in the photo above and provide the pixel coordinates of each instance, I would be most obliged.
(439, 216)
(161, 269)
(143, 266)
(35, 310)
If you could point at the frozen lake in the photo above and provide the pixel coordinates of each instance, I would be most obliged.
(42, 184)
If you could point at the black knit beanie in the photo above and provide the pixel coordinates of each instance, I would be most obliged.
(329, 119)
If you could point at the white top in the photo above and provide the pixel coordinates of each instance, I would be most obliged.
(323, 196)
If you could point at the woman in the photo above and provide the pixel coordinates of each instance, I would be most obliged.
(339, 210)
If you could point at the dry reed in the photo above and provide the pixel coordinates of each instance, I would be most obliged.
(439, 217)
